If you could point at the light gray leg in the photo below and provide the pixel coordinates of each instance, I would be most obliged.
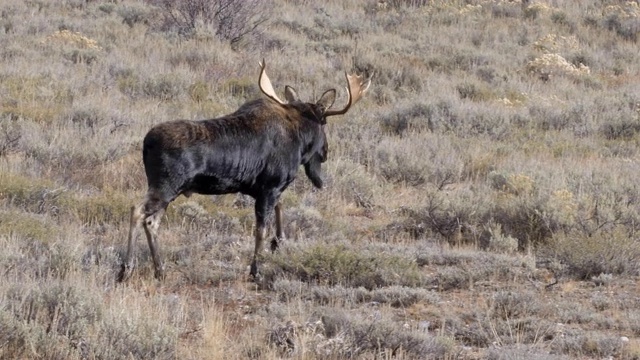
(279, 228)
(151, 225)
(260, 234)
(135, 222)
(264, 209)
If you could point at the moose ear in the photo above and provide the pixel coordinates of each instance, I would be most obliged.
(290, 94)
(327, 99)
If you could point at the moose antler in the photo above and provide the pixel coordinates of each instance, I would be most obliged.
(357, 87)
(265, 84)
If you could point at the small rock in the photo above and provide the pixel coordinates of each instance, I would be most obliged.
(624, 339)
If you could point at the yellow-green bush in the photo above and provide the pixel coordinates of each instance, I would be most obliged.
(108, 207)
(29, 226)
(341, 265)
(605, 252)
(199, 91)
(241, 87)
(38, 98)
(34, 195)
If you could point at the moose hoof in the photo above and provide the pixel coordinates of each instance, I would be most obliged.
(125, 273)
(160, 274)
(255, 274)
(274, 244)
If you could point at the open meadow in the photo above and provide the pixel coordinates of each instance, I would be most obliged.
(480, 202)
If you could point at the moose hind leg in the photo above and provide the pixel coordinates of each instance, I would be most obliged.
(263, 208)
(260, 234)
(136, 219)
(151, 224)
(279, 229)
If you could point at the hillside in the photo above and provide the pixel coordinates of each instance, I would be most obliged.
(480, 202)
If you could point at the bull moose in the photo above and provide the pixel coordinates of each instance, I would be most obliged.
(256, 151)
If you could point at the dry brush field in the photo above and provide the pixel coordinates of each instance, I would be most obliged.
(481, 202)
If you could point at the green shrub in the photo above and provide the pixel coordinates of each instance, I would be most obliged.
(34, 195)
(620, 129)
(40, 113)
(444, 217)
(604, 252)
(82, 56)
(355, 185)
(417, 159)
(129, 84)
(474, 92)
(395, 295)
(107, 8)
(109, 207)
(532, 12)
(88, 117)
(34, 98)
(415, 117)
(244, 88)
(58, 320)
(198, 91)
(342, 335)
(499, 242)
(29, 226)
(462, 269)
(506, 10)
(47, 256)
(50, 321)
(132, 15)
(10, 135)
(165, 87)
(560, 17)
(397, 4)
(339, 265)
(142, 338)
(195, 59)
(588, 344)
(507, 305)
(623, 25)
(524, 220)
(13, 335)
(443, 116)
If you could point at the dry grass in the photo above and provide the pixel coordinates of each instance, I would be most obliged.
(481, 201)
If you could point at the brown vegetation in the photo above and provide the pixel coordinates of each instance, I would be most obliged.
(480, 202)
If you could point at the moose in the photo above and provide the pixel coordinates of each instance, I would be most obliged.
(256, 151)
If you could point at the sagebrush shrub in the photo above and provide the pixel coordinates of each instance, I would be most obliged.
(340, 265)
(230, 20)
(605, 252)
(132, 14)
(415, 117)
(10, 135)
(499, 242)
